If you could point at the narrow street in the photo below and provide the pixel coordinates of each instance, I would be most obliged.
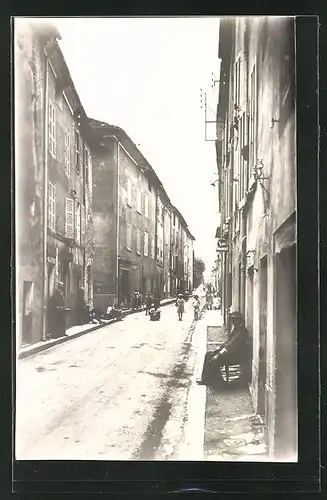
(118, 393)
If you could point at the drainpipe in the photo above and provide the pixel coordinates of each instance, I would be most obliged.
(45, 203)
(117, 226)
(156, 239)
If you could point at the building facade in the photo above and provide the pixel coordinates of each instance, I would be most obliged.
(53, 180)
(256, 238)
(133, 222)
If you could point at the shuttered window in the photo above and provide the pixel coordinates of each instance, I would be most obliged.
(139, 201)
(69, 218)
(52, 206)
(129, 237)
(138, 242)
(146, 244)
(146, 206)
(52, 129)
(78, 223)
(129, 192)
(67, 153)
(78, 153)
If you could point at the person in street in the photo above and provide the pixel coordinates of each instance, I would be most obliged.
(180, 306)
(136, 300)
(209, 299)
(113, 312)
(154, 312)
(234, 351)
(148, 302)
(157, 298)
(196, 307)
(96, 315)
(80, 308)
(57, 313)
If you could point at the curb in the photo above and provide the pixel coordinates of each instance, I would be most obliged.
(61, 340)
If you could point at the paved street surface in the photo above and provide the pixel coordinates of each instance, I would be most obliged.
(119, 392)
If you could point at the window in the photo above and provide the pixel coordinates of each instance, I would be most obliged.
(152, 247)
(146, 206)
(149, 186)
(78, 155)
(69, 218)
(138, 242)
(146, 244)
(52, 129)
(78, 223)
(129, 192)
(129, 237)
(139, 201)
(67, 153)
(52, 206)
(253, 111)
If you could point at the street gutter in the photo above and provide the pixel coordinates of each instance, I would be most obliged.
(47, 344)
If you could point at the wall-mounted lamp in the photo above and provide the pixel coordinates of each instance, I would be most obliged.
(214, 183)
(273, 121)
(250, 254)
(73, 193)
(258, 171)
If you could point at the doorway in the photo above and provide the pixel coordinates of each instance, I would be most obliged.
(262, 336)
(124, 286)
(285, 439)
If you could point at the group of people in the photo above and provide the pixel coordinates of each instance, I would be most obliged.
(180, 305)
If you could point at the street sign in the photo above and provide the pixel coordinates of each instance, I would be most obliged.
(222, 246)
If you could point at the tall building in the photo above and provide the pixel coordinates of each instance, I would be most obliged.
(132, 221)
(256, 237)
(53, 182)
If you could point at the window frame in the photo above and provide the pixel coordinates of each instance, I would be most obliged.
(146, 244)
(51, 205)
(129, 242)
(78, 223)
(69, 235)
(77, 151)
(67, 152)
(146, 206)
(129, 193)
(139, 201)
(52, 129)
(138, 242)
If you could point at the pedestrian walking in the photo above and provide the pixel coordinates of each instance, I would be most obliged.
(196, 307)
(57, 313)
(236, 350)
(148, 302)
(180, 306)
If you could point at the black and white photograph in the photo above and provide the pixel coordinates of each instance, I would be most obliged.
(155, 166)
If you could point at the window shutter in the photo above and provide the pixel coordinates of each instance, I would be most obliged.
(52, 206)
(69, 218)
(78, 223)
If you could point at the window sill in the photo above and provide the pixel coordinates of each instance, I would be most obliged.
(139, 212)
(138, 253)
(129, 249)
(129, 205)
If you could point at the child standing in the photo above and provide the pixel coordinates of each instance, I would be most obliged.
(180, 306)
